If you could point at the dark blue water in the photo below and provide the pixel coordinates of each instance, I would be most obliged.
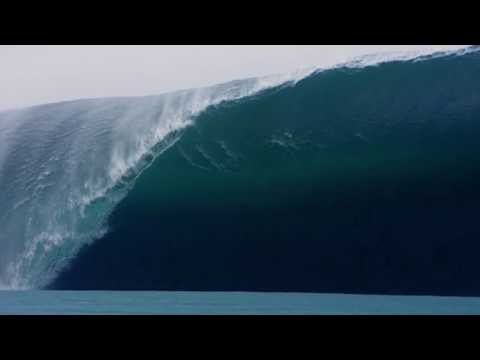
(353, 181)
(226, 303)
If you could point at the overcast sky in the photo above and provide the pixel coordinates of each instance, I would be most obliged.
(32, 75)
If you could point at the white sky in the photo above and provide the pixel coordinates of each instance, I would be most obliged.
(32, 75)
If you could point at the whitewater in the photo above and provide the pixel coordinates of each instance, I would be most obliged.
(64, 167)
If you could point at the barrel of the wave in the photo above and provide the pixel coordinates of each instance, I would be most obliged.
(362, 178)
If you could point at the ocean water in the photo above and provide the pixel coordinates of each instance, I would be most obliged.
(354, 180)
(227, 303)
(358, 179)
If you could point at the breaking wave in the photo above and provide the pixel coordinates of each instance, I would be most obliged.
(129, 193)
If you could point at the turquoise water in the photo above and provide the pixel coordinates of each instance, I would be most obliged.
(226, 303)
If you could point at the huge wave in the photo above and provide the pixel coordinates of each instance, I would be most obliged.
(359, 178)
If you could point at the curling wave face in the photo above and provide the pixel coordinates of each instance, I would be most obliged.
(167, 183)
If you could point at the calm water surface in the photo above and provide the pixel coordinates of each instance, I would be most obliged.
(159, 302)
